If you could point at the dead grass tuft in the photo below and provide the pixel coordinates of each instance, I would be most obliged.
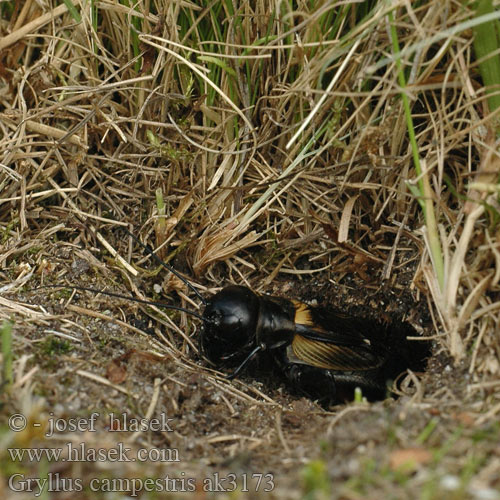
(265, 147)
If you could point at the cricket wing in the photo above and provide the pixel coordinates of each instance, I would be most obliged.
(331, 356)
(334, 327)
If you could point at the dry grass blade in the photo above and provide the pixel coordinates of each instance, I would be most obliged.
(269, 144)
(31, 27)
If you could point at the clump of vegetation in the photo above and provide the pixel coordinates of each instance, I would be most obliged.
(354, 143)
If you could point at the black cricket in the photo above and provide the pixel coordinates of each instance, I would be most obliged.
(323, 353)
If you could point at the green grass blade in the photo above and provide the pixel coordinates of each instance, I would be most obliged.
(220, 63)
(6, 336)
(73, 10)
(424, 187)
(486, 46)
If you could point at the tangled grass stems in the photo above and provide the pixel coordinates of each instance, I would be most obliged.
(448, 268)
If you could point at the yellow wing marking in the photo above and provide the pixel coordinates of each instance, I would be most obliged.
(303, 316)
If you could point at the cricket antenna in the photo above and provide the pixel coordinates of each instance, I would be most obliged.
(133, 299)
(165, 265)
(247, 360)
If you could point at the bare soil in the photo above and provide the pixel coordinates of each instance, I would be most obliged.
(231, 431)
